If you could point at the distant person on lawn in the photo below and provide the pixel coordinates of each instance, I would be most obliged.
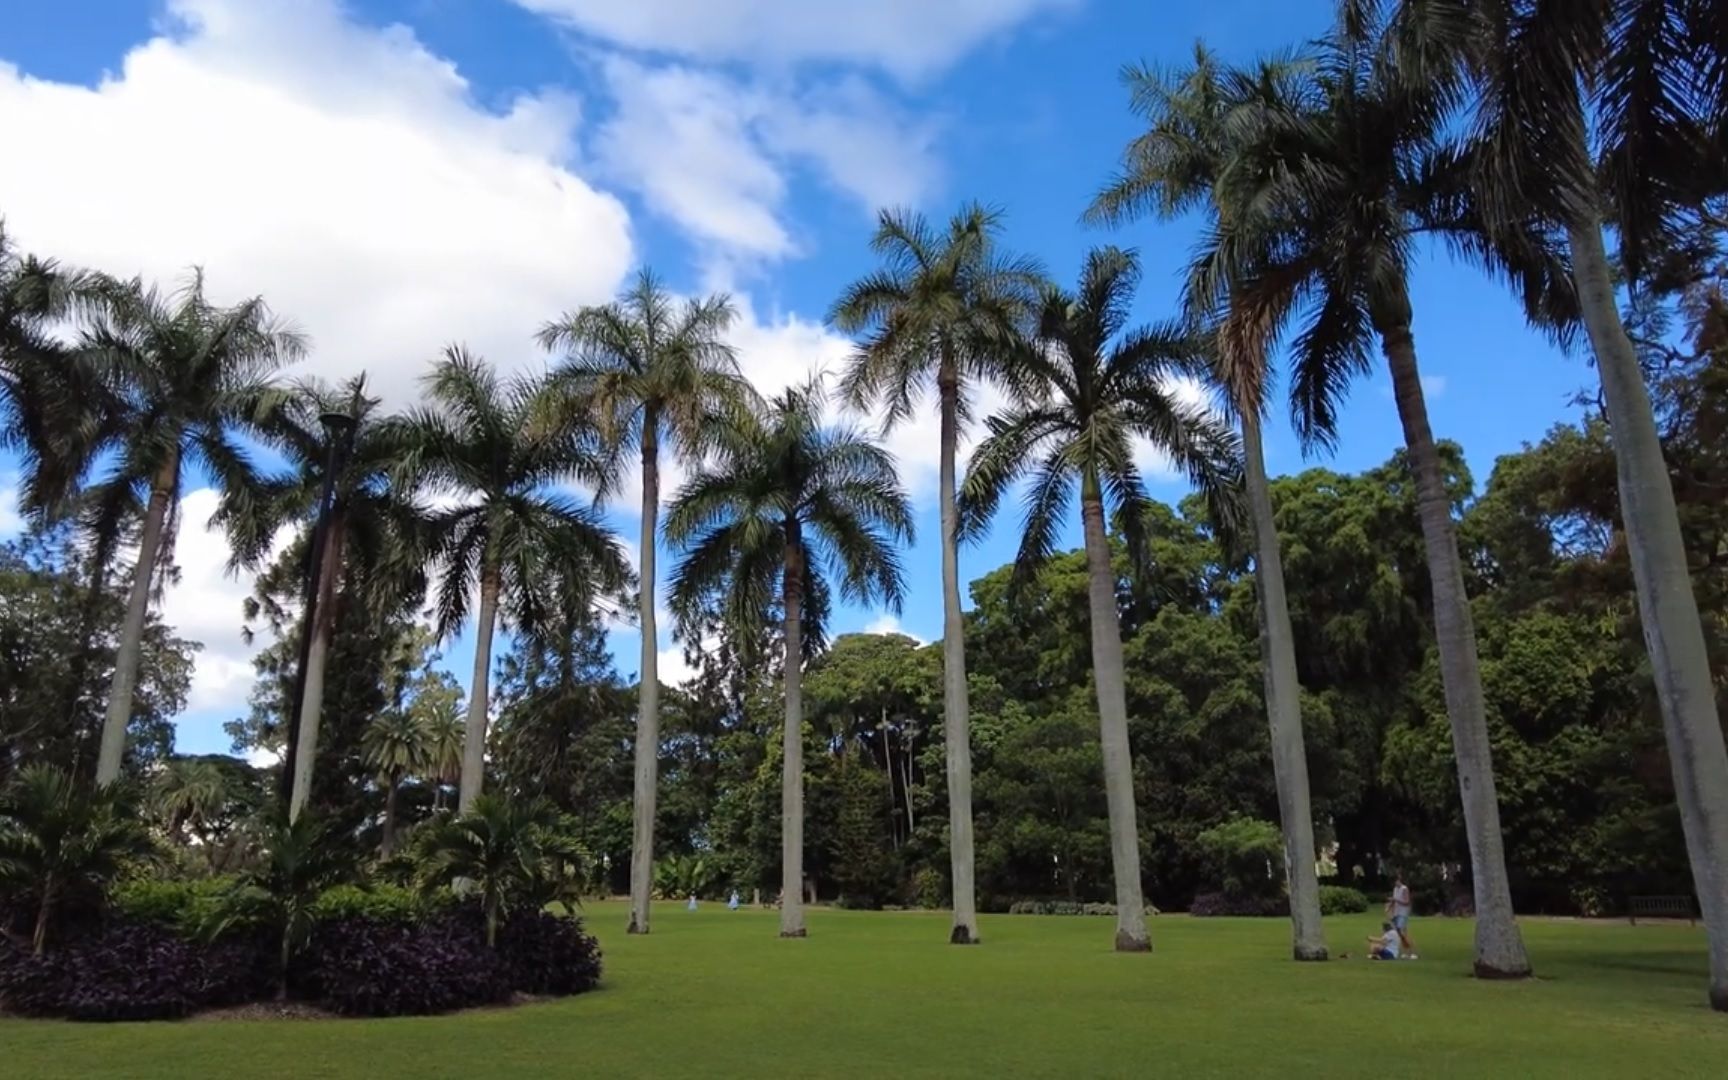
(692, 904)
(732, 903)
(1398, 907)
(1384, 947)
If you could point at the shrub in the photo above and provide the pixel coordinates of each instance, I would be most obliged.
(183, 904)
(127, 971)
(1208, 905)
(548, 954)
(542, 953)
(380, 903)
(1059, 907)
(1243, 857)
(1342, 900)
(362, 967)
(929, 888)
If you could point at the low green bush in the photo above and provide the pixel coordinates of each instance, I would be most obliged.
(1342, 900)
(929, 889)
(391, 904)
(1059, 907)
(183, 905)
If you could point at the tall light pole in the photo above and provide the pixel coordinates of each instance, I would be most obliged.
(338, 438)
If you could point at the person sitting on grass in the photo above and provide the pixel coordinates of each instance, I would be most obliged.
(1384, 947)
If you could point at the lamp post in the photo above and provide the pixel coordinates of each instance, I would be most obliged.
(338, 439)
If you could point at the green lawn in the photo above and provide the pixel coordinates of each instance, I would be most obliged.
(718, 994)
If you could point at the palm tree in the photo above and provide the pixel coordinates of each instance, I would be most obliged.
(791, 509)
(372, 536)
(57, 837)
(649, 369)
(187, 377)
(514, 854)
(187, 793)
(1329, 181)
(944, 308)
(1091, 387)
(1171, 168)
(48, 403)
(445, 739)
(395, 744)
(1619, 119)
(494, 445)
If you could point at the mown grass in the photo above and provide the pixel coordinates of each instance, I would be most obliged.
(716, 993)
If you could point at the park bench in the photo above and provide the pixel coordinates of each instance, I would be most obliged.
(1662, 907)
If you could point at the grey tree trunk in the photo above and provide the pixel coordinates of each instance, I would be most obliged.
(955, 708)
(1107, 675)
(792, 767)
(1666, 606)
(474, 737)
(1499, 945)
(125, 682)
(317, 656)
(648, 712)
(1283, 706)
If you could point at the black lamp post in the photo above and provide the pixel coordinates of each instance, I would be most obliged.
(338, 441)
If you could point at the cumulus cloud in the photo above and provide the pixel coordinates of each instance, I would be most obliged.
(712, 151)
(909, 38)
(344, 172)
(11, 522)
(890, 624)
(204, 605)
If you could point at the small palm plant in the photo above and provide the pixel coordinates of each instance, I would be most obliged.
(58, 839)
(511, 854)
(297, 861)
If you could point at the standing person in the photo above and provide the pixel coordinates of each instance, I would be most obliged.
(732, 902)
(1398, 907)
(692, 904)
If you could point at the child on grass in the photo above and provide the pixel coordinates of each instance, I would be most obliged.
(1384, 947)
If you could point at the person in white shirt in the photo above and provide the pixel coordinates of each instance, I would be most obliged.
(1398, 910)
(1384, 947)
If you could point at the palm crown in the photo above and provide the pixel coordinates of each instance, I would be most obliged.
(1094, 387)
(789, 491)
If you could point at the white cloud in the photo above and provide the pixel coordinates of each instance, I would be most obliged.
(890, 624)
(11, 522)
(909, 38)
(344, 172)
(674, 669)
(712, 151)
(204, 605)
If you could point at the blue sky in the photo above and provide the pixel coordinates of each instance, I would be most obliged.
(396, 174)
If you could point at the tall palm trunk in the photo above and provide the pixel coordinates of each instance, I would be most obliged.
(955, 708)
(1666, 607)
(474, 738)
(792, 768)
(1107, 675)
(322, 629)
(1283, 705)
(120, 691)
(1499, 945)
(648, 714)
(89, 615)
